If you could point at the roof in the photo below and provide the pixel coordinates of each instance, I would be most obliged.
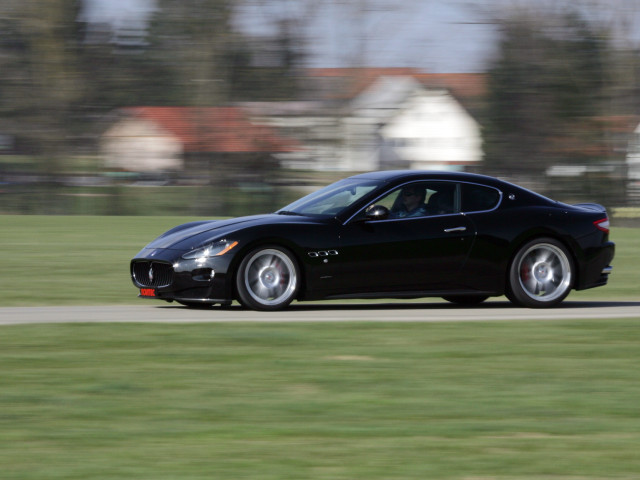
(409, 175)
(357, 80)
(214, 129)
(387, 92)
(462, 85)
(613, 124)
(397, 177)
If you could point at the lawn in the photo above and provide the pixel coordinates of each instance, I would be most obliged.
(465, 400)
(494, 400)
(61, 260)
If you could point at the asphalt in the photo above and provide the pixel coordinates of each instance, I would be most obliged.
(152, 312)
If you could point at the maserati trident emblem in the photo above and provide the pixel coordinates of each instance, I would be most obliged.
(151, 274)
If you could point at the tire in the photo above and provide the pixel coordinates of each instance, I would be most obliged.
(268, 278)
(541, 274)
(466, 299)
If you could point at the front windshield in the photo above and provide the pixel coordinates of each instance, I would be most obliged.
(332, 199)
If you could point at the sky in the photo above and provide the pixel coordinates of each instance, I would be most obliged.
(435, 35)
(117, 12)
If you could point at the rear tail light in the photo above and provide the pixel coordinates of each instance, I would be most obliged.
(602, 224)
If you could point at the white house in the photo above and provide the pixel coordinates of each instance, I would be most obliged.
(433, 131)
(399, 123)
(141, 145)
(633, 166)
(633, 156)
(372, 109)
(315, 127)
(170, 139)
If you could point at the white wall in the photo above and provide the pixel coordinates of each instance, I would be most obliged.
(633, 157)
(137, 145)
(433, 130)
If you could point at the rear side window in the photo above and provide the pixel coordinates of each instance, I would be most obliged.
(478, 198)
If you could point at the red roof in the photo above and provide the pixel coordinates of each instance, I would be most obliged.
(214, 129)
(463, 85)
(624, 124)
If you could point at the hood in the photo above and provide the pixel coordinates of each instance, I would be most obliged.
(195, 234)
(191, 235)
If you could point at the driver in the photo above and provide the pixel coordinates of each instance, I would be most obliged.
(411, 203)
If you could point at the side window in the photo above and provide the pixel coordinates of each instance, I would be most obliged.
(409, 201)
(420, 199)
(389, 200)
(441, 198)
(477, 198)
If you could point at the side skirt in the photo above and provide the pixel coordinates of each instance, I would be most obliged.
(417, 294)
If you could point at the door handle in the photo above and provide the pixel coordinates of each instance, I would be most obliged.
(455, 229)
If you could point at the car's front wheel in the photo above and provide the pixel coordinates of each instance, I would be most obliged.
(541, 274)
(268, 278)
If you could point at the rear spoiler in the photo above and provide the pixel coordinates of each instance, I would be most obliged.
(594, 207)
(601, 224)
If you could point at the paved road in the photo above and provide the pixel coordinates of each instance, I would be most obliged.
(327, 312)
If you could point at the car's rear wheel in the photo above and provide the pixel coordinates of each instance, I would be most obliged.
(268, 278)
(466, 299)
(541, 274)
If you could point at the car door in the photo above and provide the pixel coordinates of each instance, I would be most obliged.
(424, 253)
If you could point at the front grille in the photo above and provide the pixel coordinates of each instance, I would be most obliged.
(152, 274)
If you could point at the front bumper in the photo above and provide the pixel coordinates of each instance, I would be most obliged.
(164, 275)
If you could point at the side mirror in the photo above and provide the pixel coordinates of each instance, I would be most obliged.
(377, 212)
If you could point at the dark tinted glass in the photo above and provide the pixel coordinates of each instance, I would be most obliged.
(477, 198)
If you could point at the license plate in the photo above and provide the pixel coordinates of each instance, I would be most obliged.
(147, 292)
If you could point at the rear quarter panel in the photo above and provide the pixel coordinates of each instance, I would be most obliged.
(501, 233)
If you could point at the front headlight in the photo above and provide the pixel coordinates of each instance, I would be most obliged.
(214, 249)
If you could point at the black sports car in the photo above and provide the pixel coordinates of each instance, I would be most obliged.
(393, 234)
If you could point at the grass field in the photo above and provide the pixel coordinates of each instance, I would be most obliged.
(497, 400)
(466, 400)
(58, 260)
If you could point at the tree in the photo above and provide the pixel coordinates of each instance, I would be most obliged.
(267, 69)
(40, 81)
(215, 63)
(192, 38)
(545, 90)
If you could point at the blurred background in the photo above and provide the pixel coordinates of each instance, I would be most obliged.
(231, 107)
